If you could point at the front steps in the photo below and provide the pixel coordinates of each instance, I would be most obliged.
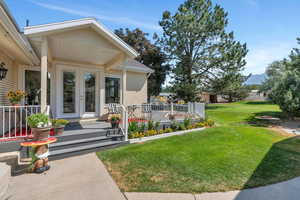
(80, 143)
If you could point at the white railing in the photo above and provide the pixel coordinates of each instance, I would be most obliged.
(119, 109)
(13, 121)
(164, 112)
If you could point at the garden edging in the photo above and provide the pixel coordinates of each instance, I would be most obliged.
(155, 137)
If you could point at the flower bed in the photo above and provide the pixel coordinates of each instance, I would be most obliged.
(139, 130)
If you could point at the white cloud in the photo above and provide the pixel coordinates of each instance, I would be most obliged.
(86, 13)
(259, 57)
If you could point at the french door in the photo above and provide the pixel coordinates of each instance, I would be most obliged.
(77, 92)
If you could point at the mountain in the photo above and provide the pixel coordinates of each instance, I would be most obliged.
(256, 79)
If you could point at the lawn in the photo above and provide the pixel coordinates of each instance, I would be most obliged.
(232, 155)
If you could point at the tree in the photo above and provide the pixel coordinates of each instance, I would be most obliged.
(150, 55)
(274, 73)
(283, 83)
(195, 39)
(231, 86)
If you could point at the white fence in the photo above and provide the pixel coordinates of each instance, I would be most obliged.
(13, 121)
(163, 112)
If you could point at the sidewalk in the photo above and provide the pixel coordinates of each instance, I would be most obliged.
(77, 178)
(288, 190)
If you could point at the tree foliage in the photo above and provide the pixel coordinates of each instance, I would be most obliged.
(201, 50)
(283, 83)
(231, 86)
(150, 55)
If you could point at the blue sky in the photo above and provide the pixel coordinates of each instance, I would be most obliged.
(269, 27)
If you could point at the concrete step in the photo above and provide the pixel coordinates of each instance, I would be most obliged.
(84, 148)
(84, 141)
(86, 133)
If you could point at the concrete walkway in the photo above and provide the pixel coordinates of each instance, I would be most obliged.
(76, 178)
(86, 178)
(288, 190)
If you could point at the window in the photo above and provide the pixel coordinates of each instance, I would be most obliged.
(33, 87)
(112, 90)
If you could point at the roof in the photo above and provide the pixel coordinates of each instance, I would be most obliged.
(9, 23)
(133, 65)
(74, 24)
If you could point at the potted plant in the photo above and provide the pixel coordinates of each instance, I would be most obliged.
(114, 121)
(15, 97)
(59, 125)
(40, 126)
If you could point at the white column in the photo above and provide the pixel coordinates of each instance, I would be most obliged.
(102, 93)
(124, 80)
(44, 69)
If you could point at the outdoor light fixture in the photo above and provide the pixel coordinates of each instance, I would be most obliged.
(3, 71)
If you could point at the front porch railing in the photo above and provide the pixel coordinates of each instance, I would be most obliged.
(164, 112)
(13, 121)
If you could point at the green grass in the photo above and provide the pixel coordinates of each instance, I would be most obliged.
(233, 155)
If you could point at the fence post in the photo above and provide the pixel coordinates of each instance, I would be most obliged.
(189, 107)
(172, 108)
(125, 123)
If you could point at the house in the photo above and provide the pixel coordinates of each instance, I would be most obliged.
(77, 67)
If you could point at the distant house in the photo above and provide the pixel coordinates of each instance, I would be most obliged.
(255, 95)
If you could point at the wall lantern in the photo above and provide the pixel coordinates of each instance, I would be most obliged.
(3, 71)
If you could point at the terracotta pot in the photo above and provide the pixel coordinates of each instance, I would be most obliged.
(59, 130)
(40, 133)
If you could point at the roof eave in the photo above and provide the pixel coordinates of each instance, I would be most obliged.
(47, 28)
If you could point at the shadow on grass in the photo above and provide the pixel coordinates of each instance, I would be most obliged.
(255, 121)
(281, 163)
(259, 103)
(212, 107)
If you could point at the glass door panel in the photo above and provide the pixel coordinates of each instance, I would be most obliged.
(90, 92)
(69, 92)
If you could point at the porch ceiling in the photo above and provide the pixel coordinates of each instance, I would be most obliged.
(84, 40)
(81, 45)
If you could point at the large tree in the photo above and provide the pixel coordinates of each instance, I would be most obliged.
(150, 55)
(230, 86)
(201, 50)
(283, 83)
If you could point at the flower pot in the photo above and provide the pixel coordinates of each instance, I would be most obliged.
(59, 130)
(40, 133)
(114, 124)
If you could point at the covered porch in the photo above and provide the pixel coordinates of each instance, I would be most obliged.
(80, 69)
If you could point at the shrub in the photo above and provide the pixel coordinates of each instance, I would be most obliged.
(181, 127)
(173, 125)
(186, 122)
(38, 120)
(157, 125)
(133, 127)
(150, 132)
(142, 127)
(210, 122)
(59, 122)
(191, 127)
(150, 125)
(168, 130)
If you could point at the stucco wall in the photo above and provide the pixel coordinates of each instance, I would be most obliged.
(136, 88)
(10, 82)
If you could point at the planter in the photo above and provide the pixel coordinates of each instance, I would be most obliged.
(59, 130)
(40, 133)
(114, 124)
